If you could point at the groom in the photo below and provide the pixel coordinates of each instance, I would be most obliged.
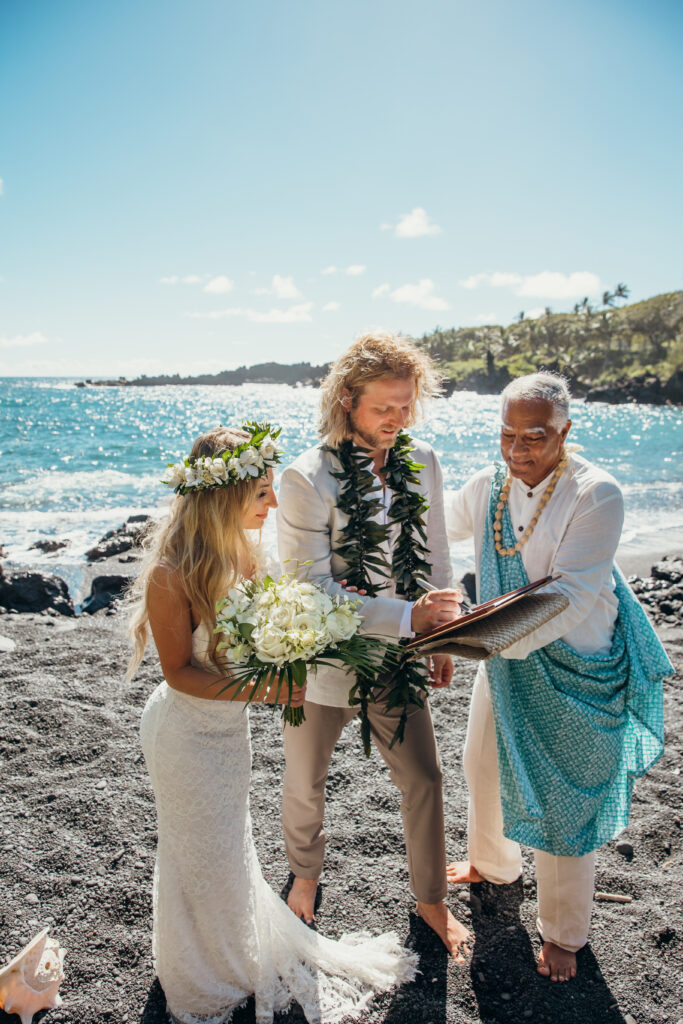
(336, 515)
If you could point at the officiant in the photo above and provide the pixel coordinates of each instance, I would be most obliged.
(563, 721)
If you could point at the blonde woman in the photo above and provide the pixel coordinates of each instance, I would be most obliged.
(220, 933)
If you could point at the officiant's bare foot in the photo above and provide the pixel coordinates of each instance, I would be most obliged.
(556, 963)
(301, 898)
(453, 934)
(461, 871)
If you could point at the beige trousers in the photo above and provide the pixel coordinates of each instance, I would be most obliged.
(565, 884)
(414, 768)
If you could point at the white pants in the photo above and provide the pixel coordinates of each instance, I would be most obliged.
(565, 884)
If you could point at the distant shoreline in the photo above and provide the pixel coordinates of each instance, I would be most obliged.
(642, 390)
(608, 354)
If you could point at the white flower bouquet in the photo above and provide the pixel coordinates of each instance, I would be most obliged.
(274, 631)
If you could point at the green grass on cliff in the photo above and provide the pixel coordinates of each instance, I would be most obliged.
(592, 346)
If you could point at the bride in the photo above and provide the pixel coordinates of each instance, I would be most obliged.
(220, 933)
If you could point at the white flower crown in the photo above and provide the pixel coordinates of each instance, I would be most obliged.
(251, 459)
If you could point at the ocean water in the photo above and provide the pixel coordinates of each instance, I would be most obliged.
(76, 462)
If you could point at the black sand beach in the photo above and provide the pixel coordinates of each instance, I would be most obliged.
(78, 844)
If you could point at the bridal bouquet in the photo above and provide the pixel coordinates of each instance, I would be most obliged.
(274, 631)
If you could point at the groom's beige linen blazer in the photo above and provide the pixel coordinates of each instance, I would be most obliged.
(309, 525)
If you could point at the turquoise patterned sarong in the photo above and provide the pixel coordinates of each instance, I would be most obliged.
(573, 731)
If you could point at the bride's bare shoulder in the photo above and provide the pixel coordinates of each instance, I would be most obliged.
(166, 577)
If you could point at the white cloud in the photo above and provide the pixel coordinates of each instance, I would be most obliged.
(2, 187)
(192, 279)
(552, 285)
(420, 295)
(173, 279)
(386, 227)
(415, 224)
(533, 314)
(329, 270)
(547, 285)
(485, 318)
(331, 307)
(294, 314)
(284, 287)
(281, 287)
(23, 340)
(219, 285)
(355, 269)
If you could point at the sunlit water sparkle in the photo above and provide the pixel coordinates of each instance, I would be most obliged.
(76, 462)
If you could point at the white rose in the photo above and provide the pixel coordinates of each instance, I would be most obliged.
(270, 644)
(342, 624)
(317, 602)
(218, 470)
(267, 449)
(283, 616)
(308, 620)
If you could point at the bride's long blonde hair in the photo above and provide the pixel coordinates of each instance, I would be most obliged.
(203, 541)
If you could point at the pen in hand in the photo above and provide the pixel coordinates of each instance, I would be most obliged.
(426, 585)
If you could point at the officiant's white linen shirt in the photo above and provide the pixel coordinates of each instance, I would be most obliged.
(576, 536)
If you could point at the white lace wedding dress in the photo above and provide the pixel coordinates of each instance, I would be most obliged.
(220, 933)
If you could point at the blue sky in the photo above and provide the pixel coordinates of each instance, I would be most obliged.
(190, 185)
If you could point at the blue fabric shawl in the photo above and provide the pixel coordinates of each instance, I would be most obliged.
(573, 731)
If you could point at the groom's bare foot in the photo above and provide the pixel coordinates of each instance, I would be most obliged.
(461, 871)
(556, 963)
(301, 898)
(453, 934)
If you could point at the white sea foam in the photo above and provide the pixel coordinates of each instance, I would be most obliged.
(102, 452)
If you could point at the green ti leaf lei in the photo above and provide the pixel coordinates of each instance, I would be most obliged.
(362, 536)
(360, 547)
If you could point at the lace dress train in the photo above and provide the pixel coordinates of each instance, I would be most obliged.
(220, 933)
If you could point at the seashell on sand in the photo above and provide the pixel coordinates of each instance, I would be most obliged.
(29, 982)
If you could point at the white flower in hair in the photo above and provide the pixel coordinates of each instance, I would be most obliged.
(218, 469)
(251, 462)
(174, 475)
(268, 449)
(192, 478)
(250, 459)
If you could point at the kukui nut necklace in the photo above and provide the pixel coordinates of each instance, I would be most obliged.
(542, 502)
(361, 549)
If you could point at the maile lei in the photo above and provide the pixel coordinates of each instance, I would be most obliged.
(361, 549)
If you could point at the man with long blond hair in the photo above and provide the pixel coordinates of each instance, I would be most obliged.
(366, 508)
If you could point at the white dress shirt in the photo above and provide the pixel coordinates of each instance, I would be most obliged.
(576, 536)
(310, 529)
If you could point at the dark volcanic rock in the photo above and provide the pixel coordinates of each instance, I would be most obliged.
(125, 537)
(661, 594)
(48, 546)
(104, 592)
(34, 592)
(644, 388)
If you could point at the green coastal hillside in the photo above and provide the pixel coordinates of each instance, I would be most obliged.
(608, 353)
